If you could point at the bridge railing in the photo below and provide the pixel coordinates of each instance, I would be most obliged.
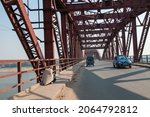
(17, 68)
(145, 59)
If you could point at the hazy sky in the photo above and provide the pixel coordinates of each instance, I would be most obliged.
(10, 46)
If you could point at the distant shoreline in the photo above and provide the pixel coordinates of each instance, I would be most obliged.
(13, 69)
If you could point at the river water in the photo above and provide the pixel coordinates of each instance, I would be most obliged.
(10, 81)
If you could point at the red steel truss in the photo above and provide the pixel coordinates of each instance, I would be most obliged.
(76, 25)
(18, 16)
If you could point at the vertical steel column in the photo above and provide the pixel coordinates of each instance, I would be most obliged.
(75, 45)
(117, 44)
(77, 48)
(124, 41)
(80, 51)
(48, 29)
(71, 39)
(109, 52)
(112, 48)
(146, 26)
(129, 36)
(64, 32)
(135, 49)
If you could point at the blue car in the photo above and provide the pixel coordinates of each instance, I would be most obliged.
(121, 61)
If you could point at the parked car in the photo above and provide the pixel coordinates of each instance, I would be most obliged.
(121, 61)
(90, 60)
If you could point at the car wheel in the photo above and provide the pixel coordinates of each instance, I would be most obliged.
(130, 66)
(118, 66)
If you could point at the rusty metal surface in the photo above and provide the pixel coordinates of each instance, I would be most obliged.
(22, 25)
(83, 25)
(74, 26)
(48, 29)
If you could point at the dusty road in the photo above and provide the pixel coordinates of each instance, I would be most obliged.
(103, 82)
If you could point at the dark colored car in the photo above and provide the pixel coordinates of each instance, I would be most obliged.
(121, 61)
(90, 61)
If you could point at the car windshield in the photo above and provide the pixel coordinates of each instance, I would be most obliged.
(122, 57)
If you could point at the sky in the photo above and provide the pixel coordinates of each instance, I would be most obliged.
(10, 45)
(11, 48)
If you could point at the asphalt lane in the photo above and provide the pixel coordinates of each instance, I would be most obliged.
(103, 82)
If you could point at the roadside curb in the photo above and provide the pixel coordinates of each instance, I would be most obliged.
(141, 65)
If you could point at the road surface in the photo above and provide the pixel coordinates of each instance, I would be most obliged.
(103, 82)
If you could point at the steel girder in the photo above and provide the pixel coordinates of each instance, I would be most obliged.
(128, 38)
(69, 36)
(95, 32)
(113, 21)
(18, 16)
(92, 24)
(123, 24)
(48, 29)
(51, 30)
(92, 52)
(77, 6)
(146, 25)
(100, 16)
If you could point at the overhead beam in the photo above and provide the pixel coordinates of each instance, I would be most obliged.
(95, 32)
(98, 47)
(120, 26)
(97, 26)
(60, 4)
(114, 4)
(95, 38)
(102, 42)
(100, 16)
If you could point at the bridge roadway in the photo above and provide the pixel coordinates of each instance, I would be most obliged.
(103, 82)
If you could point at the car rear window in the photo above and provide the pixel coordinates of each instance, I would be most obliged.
(90, 58)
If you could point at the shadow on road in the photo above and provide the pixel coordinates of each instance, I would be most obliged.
(89, 86)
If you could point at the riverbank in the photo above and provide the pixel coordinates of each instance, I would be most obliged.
(13, 69)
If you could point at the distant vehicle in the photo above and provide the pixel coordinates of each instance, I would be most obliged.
(106, 0)
(121, 61)
(90, 60)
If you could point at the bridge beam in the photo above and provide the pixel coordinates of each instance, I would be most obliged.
(64, 32)
(134, 30)
(48, 29)
(117, 44)
(100, 16)
(113, 4)
(123, 41)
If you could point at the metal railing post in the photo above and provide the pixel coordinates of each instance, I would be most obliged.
(54, 66)
(38, 72)
(146, 58)
(19, 76)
